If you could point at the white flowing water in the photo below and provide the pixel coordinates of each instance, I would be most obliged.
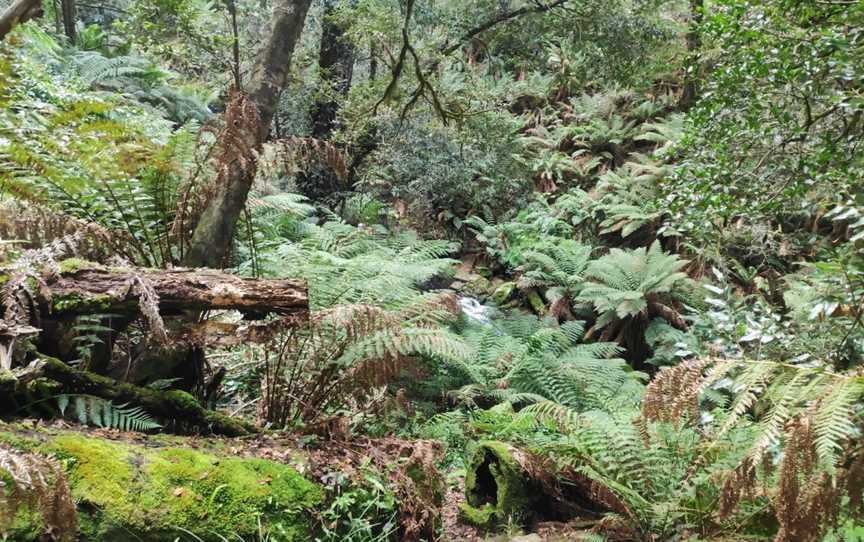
(474, 310)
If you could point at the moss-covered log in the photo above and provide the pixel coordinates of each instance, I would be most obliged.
(172, 405)
(84, 288)
(498, 488)
(505, 485)
(160, 492)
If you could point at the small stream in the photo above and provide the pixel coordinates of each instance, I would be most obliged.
(474, 310)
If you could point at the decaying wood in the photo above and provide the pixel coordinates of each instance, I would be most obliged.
(171, 406)
(20, 11)
(504, 481)
(98, 290)
(215, 334)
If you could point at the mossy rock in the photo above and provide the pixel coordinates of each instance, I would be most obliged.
(536, 302)
(478, 286)
(497, 488)
(503, 293)
(130, 492)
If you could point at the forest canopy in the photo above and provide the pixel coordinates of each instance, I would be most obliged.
(379, 270)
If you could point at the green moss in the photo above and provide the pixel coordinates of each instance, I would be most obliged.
(20, 519)
(536, 302)
(75, 300)
(152, 493)
(71, 265)
(481, 517)
(503, 293)
(15, 441)
(496, 486)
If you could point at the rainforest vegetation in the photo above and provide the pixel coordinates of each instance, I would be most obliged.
(382, 270)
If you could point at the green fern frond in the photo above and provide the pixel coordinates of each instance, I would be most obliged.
(103, 413)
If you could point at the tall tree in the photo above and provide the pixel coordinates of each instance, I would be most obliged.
(336, 66)
(694, 44)
(211, 239)
(70, 17)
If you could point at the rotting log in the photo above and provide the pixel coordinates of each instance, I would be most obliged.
(93, 289)
(505, 484)
(173, 405)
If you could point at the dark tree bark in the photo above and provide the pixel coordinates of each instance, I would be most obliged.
(211, 239)
(70, 17)
(336, 66)
(19, 12)
(694, 43)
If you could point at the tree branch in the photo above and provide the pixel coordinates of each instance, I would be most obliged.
(501, 18)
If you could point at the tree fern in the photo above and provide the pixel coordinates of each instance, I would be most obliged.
(559, 268)
(628, 288)
(525, 360)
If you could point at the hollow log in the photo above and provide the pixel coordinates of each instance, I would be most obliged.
(94, 289)
(505, 484)
(173, 405)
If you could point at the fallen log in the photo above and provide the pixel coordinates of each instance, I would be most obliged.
(54, 296)
(84, 288)
(172, 406)
(505, 484)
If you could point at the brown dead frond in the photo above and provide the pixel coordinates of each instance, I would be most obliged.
(340, 356)
(37, 482)
(807, 500)
(34, 226)
(673, 395)
(148, 304)
(225, 145)
(300, 153)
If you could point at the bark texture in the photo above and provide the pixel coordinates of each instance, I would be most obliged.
(19, 12)
(336, 66)
(211, 240)
(70, 16)
(86, 291)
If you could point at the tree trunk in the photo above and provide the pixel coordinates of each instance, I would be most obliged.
(336, 66)
(212, 237)
(19, 12)
(70, 16)
(694, 44)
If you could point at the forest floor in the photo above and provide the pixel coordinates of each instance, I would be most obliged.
(315, 461)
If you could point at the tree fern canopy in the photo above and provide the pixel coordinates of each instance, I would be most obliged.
(626, 282)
